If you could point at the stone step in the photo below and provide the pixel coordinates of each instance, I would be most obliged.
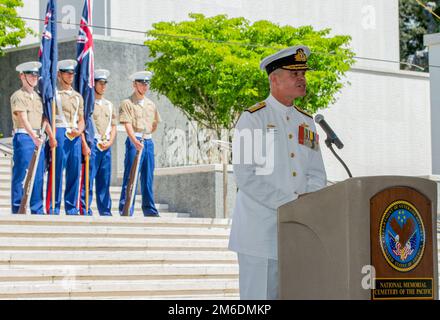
(132, 296)
(5, 181)
(100, 257)
(137, 213)
(150, 288)
(153, 228)
(5, 201)
(53, 221)
(50, 220)
(23, 272)
(5, 169)
(5, 207)
(14, 273)
(120, 232)
(110, 244)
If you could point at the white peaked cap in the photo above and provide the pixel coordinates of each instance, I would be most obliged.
(144, 76)
(31, 66)
(102, 74)
(68, 64)
(287, 59)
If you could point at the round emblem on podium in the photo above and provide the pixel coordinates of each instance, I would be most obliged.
(402, 236)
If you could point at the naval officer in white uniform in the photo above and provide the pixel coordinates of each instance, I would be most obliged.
(292, 166)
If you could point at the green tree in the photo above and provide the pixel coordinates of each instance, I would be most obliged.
(414, 22)
(12, 28)
(209, 67)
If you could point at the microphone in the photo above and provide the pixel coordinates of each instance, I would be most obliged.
(331, 135)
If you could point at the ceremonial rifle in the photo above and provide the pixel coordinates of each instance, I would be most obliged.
(30, 176)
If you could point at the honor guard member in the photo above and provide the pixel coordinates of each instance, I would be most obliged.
(27, 118)
(293, 166)
(140, 118)
(69, 126)
(104, 121)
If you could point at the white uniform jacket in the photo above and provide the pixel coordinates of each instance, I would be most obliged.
(293, 169)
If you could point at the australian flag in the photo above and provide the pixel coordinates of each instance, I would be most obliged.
(48, 56)
(84, 79)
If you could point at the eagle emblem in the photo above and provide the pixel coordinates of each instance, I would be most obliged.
(402, 236)
(404, 240)
(300, 56)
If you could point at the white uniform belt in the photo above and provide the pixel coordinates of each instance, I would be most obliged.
(62, 125)
(22, 130)
(142, 135)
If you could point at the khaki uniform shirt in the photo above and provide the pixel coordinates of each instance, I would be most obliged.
(141, 114)
(30, 103)
(101, 116)
(71, 102)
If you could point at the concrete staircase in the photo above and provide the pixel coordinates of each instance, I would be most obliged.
(115, 258)
(82, 257)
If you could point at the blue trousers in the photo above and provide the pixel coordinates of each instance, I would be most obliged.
(23, 151)
(68, 156)
(100, 170)
(146, 170)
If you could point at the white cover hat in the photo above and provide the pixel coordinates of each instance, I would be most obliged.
(292, 58)
(102, 74)
(66, 65)
(142, 76)
(29, 67)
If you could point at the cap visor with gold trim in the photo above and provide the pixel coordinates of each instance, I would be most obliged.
(292, 58)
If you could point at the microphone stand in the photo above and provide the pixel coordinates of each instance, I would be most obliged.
(328, 143)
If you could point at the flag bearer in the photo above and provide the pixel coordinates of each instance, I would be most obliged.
(69, 126)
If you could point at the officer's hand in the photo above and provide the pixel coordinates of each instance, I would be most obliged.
(37, 141)
(104, 145)
(53, 143)
(86, 151)
(138, 145)
(74, 133)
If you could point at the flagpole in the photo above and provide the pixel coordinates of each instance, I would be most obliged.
(53, 155)
(84, 85)
(87, 184)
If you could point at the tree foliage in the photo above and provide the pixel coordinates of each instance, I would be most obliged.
(12, 28)
(414, 22)
(209, 66)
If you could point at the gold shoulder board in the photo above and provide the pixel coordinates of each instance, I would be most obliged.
(303, 112)
(257, 107)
